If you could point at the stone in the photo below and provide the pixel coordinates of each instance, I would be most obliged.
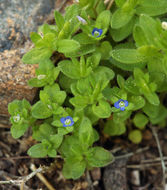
(17, 19)
(20, 17)
(114, 177)
(13, 78)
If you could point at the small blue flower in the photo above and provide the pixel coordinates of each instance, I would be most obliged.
(67, 121)
(97, 32)
(121, 104)
(16, 118)
(83, 21)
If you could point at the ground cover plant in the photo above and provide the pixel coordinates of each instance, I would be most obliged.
(96, 63)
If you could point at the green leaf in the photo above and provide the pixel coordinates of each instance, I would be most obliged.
(151, 30)
(127, 56)
(85, 133)
(34, 82)
(127, 67)
(37, 151)
(111, 128)
(42, 132)
(69, 69)
(84, 87)
(121, 17)
(99, 157)
(151, 7)
(104, 49)
(103, 74)
(17, 106)
(71, 148)
(103, 110)
(123, 32)
(59, 20)
(83, 50)
(120, 3)
(83, 39)
(18, 130)
(139, 36)
(152, 98)
(149, 51)
(138, 102)
(36, 55)
(151, 110)
(140, 120)
(162, 115)
(120, 81)
(121, 116)
(52, 153)
(35, 37)
(103, 19)
(65, 85)
(71, 11)
(67, 46)
(135, 136)
(59, 97)
(41, 110)
(89, 113)
(112, 94)
(56, 140)
(73, 168)
(80, 101)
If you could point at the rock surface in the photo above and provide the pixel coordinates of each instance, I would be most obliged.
(13, 78)
(17, 19)
(20, 17)
(114, 177)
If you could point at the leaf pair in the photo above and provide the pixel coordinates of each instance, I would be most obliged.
(21, 119)
(77, 152)
(51, 99)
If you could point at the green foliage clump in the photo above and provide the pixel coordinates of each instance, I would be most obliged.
(95, 64)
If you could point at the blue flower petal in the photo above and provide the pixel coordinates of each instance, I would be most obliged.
(68, 117)
(100, 31)
(122, 108)
(64, 125)
(126, 103)
(72, 123)
(116, 104)
(62, 120)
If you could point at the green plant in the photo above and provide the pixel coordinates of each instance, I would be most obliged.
(115, 64)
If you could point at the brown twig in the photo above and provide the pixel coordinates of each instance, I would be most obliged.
(132, 153)
(110, 5)
(144, 165)
(23, 157)
(42, 178)
(24, 179)
(154, 160)
(161, 155)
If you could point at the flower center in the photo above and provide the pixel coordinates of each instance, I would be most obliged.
(16, 118)
(96, 33)
(41, 77)
(121, 104)
(67, 122)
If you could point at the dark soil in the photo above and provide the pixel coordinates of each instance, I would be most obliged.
(14, 162)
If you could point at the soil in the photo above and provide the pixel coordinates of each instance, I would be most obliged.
(15, 163)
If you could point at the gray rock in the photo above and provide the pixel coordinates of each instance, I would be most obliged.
(114, 177)
(20, 17)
